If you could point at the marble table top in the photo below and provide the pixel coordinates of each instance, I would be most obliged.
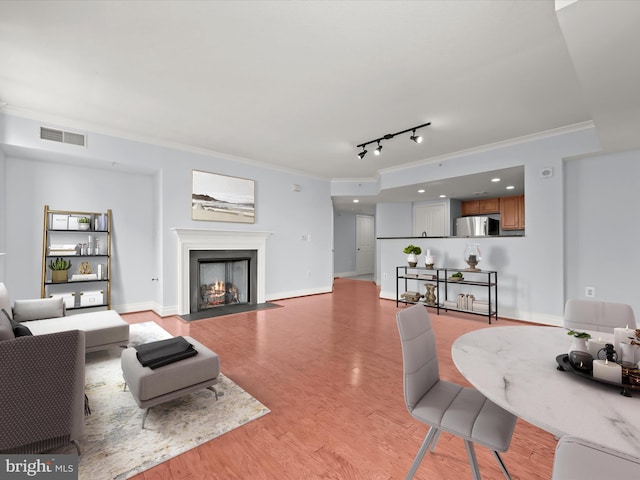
(515, 367)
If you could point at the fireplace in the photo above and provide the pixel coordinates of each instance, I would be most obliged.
(190, 239)
(220, 278)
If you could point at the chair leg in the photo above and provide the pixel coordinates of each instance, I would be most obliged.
(473, 461)
(423, 448)
(502, 465)
(436, 437)
(144, 417)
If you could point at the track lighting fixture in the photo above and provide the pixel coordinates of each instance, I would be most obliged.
(389, 136)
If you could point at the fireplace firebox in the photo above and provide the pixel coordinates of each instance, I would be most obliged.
(222, 278)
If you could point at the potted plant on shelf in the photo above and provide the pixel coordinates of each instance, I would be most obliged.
(412, 251)
(83, 223)
(59, 268)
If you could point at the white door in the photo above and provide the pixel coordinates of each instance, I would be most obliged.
(365, 244)
(429, 219)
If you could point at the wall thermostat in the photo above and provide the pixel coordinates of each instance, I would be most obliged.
(546, 172)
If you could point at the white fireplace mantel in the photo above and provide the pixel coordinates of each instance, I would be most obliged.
(204, 239)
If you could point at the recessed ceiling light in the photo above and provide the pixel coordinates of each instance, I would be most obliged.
(356, 200)
(494, 180)
(443, 196)
(510, 187)
(421, 190)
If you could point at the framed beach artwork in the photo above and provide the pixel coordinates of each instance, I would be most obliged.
(220, 198)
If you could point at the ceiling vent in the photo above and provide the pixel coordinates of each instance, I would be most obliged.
(61, 136)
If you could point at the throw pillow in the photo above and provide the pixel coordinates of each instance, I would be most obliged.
(19, 330)
(6, 330)
(37, 309)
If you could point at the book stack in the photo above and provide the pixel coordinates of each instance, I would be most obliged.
(450, 304)
(480, 307)
(62, 250)
(78, 277)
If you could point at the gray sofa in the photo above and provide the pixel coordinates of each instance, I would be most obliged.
(42, 389)
(103, 329)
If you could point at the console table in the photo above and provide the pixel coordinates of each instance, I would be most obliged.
(446, 286)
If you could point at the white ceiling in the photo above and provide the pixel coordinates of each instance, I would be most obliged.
(298, 84)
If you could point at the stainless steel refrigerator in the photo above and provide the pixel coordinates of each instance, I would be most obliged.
(477, 226)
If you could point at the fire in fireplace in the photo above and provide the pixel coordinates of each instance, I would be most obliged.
(222, 278)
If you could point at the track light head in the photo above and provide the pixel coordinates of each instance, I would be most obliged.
(362, 153)
(416, 138)
(389, 136)
(378, 150)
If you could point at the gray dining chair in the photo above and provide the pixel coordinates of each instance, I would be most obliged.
(597, 316)
(579, 458)
(446, 406)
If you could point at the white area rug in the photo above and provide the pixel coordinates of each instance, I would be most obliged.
(114, 446)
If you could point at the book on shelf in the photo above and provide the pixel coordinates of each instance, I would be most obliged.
(427, 276)
(83, 276)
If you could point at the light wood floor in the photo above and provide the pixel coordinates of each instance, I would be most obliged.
(329, 368)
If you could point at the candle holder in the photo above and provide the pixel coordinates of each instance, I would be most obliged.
(472, 257)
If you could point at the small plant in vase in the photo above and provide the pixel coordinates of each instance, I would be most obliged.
(412, 251)
(83, 223)
(59, 269)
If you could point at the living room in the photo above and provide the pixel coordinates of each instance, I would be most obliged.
(579, 223)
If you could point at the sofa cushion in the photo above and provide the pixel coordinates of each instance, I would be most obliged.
(19, 330)
(38, 308)
(6, 329)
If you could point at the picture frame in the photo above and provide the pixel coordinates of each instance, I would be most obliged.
(222, 198)
(59, 221)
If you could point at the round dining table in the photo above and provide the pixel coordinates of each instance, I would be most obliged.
(516, 368)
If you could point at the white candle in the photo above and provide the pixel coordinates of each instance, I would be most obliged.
(594, 346)
(622, 335)
(628, 353)
(608, 371)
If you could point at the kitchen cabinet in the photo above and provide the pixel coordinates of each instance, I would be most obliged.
(86, 244)
(480, 207)
(512, 213)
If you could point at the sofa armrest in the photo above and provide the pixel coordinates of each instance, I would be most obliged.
(42, 394)
(38, 308)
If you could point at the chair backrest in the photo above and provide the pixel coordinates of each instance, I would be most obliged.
(578, 458)
(597, 316)
(419, 357)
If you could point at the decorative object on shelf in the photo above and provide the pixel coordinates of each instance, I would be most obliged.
(85, 267)
(83, 223)
(472, 257)
(59, 269)
(411, 296)
(430, 297)
(456, 277)
(579, 343)
(429, 259)
(412, 251)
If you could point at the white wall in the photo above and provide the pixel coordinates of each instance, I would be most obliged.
(602, 228)
(32, 184)
(294, 267)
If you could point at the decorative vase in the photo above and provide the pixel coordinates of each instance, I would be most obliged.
(579, 345)
(472, 257)
(430, 297)
(59, 276)
(412, 259)
(429, 259)
(83, 226)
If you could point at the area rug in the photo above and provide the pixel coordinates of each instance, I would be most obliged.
(114, 446)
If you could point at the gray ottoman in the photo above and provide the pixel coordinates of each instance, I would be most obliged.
(152, 387)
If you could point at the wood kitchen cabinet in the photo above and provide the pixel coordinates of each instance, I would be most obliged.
(512, 213)
(480, 207)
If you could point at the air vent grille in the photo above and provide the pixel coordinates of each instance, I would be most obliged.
(61, 136)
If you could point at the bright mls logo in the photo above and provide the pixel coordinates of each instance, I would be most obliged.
(51, 467)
